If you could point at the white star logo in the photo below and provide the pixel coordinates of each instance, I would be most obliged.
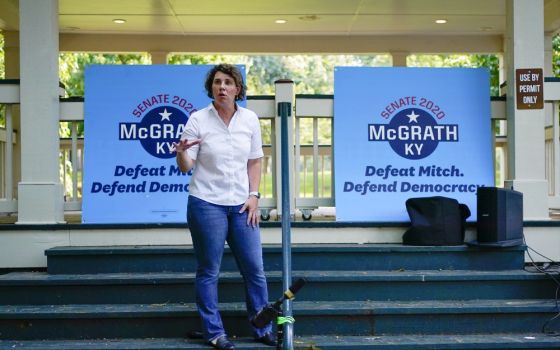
(165, 115)
(413, 117)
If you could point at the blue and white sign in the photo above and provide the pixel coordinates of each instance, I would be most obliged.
(409, 132)
(133, 114)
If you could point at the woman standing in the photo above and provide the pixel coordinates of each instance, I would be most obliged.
(224, 141)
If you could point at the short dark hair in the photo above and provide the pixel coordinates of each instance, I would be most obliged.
(230, 70)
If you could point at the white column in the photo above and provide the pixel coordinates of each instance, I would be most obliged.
(40, 192)
(284, 93)
(399, 58)
(526, 153)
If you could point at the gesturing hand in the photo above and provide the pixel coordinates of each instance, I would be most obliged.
(185, 144)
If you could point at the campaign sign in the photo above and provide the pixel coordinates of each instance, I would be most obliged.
(401, 133)
(133, 114)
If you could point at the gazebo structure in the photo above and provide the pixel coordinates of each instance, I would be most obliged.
(120, 286)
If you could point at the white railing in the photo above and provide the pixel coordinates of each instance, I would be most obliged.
(552, 98)
(72, 154)
(314, 176)
(9, 96)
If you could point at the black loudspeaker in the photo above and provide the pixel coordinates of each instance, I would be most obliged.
(499, 217)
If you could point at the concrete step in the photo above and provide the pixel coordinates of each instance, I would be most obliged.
(534, 341)
(357, 318)
(37, 288)
(357, 257)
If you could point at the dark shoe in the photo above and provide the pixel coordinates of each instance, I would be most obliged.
(222, 343)
(267, 339)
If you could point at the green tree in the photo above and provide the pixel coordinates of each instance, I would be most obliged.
(556, 55)
(491, 62)
(72, 67)
(207, 59)
(2, 74)
(311, 74)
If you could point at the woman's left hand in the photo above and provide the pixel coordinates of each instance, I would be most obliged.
(252, 207)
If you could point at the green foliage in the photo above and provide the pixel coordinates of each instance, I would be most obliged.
(2, 72)
(556, 55)
(491, 62)
(312, 74)
(206, 59)
(72, 67)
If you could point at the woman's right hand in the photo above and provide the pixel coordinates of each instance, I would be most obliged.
(185, 144)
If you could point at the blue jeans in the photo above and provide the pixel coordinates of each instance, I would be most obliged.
(211, 225)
